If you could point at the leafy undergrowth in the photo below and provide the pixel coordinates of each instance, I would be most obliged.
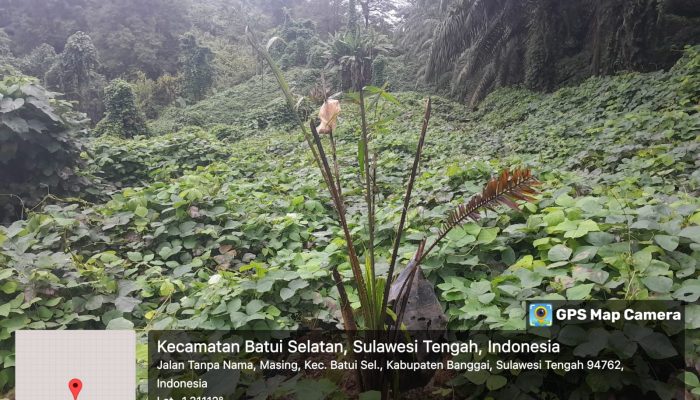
(220, 229)
(246, 108)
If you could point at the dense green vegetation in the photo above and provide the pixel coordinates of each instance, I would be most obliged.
(167, 183)
(38, 150)
(122, 117)
(228, 226)
(75, 74)
(542, 44)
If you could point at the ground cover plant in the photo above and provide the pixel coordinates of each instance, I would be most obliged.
(39, 146)
(243, 235)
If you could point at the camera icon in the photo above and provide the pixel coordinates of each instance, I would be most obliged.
(540, 314)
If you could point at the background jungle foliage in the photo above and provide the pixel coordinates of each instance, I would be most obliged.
(202, 228)
(465, 48)
(167, 185)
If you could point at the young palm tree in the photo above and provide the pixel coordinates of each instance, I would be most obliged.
(352, 52)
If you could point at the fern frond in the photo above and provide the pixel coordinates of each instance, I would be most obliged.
(506, 189)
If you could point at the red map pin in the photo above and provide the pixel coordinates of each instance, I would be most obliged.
(75, 385)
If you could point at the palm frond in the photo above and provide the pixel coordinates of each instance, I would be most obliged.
(463, 28)
(474, 45)
(506, 189)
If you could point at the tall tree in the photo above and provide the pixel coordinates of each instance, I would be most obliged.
(352, 54)
(377, 12)
(122, 117)
(138, 34)
(352, 15)
(197, 71)
(32, 22)
(6, 57)
(328, 15)
(130, 34)
(477, 46)
(75, 74)
(39, 61)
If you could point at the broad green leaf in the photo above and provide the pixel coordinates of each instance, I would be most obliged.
(163, 324)
(487, 235)
(320, 389)
(565, 201)
(572, 335)
(658, 284)
(472, 228)
(234, 305)
(456, 234)
(298, 284)
(254, 306)
(141, 211)
(120, 323)
(479, 287)
(528, 278)
(94, 302)
(690, 379)
(667, 242)
(477, 377)
(657, 346)
(691, 232)
(689, 291)
(486, 298)
(5, 310)
(554, 218)
(109, 257)
(692, 316)
(9, 287)
(53, 302)
(286, 293)
(642, 259)
(695, 219)
(495, 382)
(614, 249)
(582, 229)
(579, 292)
(589, 205)
(134, 256)
(599, 382)
(524, 262)
(15, 323)
(600, 238)
(622, 345)
(559, 253)
(166, 288)
(541, 241)
(264, 285)
(596, 341)
(565, 226)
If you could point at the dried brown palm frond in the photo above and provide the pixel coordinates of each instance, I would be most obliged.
(505, 189)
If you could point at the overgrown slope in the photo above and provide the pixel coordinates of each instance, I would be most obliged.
(243, 235)
(248, 107)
